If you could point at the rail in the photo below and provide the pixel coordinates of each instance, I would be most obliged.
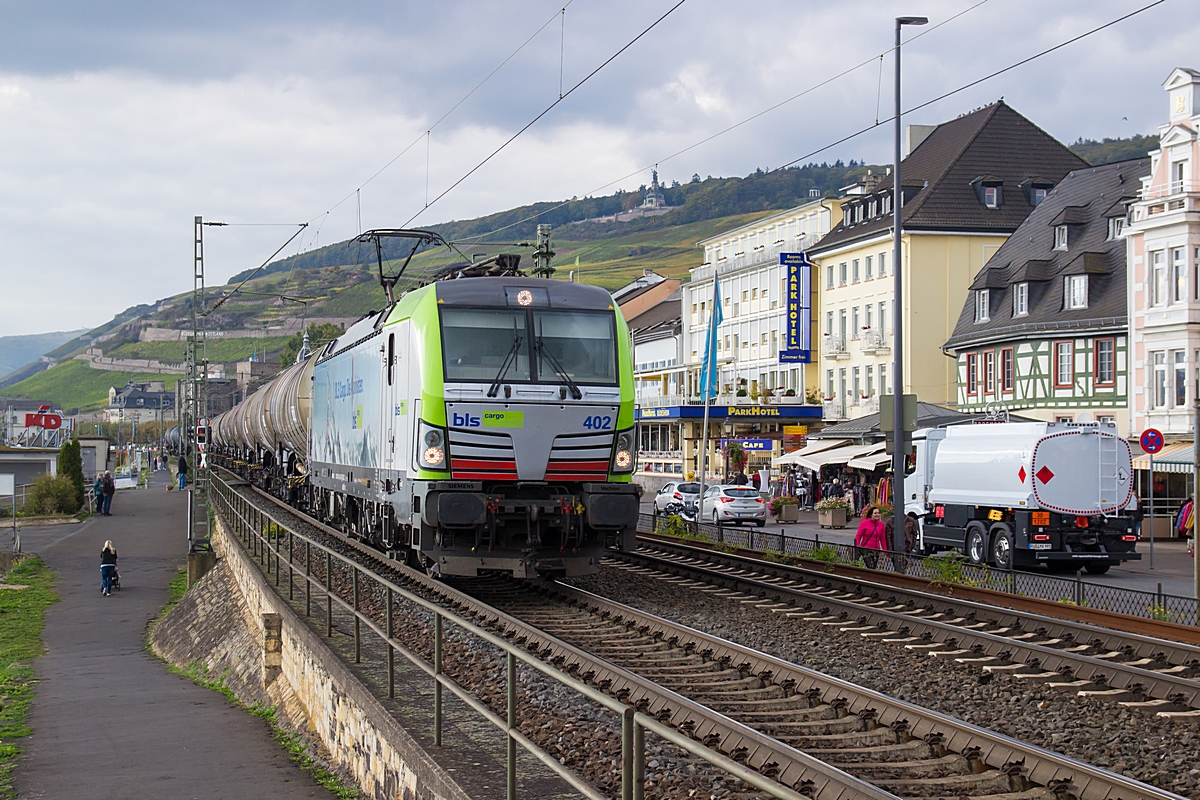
(1075, 591)
(268, 539)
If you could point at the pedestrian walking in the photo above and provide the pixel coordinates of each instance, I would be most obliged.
(109, 489)
(108, 567)
(98, 492)
(869, 539)
(182, 472)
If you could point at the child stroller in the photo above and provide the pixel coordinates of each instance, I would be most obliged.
(114, 581)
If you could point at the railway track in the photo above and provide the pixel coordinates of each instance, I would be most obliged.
(825, 738)
(1150, 674)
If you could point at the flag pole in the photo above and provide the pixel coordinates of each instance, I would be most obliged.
(707, 379)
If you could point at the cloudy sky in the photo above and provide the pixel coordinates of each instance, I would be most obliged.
(119, 122)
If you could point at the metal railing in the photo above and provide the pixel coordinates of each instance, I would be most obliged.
(1167, 189)
(269, 541)
(1067, 590)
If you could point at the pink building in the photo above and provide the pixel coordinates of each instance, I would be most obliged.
(1163, 251)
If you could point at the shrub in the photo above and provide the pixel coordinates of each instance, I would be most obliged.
(742, 393)
(825, 552)
(70, 464)
(790, 393)
(52, 494)
(672, 526)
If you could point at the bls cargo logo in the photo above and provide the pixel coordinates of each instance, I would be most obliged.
(489, 419)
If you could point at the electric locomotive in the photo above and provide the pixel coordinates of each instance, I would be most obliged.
(479, 423)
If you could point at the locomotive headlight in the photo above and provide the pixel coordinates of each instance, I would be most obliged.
(431, 447)
(623, 451)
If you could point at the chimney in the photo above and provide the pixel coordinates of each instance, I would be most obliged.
(914, 135)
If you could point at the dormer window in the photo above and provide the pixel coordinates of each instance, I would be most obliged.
(1116, 228)
(989, 190)
(991, 196)
(872, 209)
(1037, 195)
(1075, 292)
(982, 312)
(1020, 299)
(1060, 237)
(1036, 190)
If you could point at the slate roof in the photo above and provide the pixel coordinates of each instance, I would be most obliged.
(662, 319)
(940, 177)
(1084, 201)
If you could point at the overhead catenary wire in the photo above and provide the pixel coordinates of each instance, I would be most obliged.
(259, 268)
(736, 125)
(546, 111)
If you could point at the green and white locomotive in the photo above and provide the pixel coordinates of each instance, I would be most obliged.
(478, 423)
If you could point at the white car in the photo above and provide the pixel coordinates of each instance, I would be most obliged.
(683, 493)
(733, 504)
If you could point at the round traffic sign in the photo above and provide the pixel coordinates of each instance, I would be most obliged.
(1152, 440)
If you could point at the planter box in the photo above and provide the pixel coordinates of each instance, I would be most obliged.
(832, 518)
(788, 514)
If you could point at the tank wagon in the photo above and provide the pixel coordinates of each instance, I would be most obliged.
(482, 423)
(1026, 493)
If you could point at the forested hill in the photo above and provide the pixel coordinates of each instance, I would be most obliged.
(695, 201)
(1107, 151)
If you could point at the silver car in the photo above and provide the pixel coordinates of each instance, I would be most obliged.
(685, 494)
(734, 504)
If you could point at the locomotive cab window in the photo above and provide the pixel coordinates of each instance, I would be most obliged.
(391, 359)
(478, 344)
(582, 344)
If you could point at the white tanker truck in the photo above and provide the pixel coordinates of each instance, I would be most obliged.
(1026, 493)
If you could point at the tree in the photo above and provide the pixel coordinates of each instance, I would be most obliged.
(70, 466)
(318, 335)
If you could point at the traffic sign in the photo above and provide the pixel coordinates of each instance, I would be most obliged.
(1152, 440)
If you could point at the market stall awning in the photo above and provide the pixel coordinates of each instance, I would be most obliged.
(1176, 457)
(814, 446)
(838, 455)
(870, 460)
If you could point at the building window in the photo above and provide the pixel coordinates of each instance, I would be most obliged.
(1064, 365)
(868, 267)
(1158, 274)
(883, 324)
(842, 274)
(869, 321)
(1178, 170)
(854, 270)
(972, 374)
(1106, 364)
(1038, 195)
(981, 305)
(1116, 228)
(1020, 299)
(1007, 369)
(883, 385)
(1060, 237)
(989, 372)
(1178, 275)
(883, 263)
(857, 384)
(854, 322)
(829, 384)
(1075, 291)
(1180, 359)
(991, 196)
(829, 323)
(1160, 379)
(870, 380)
(842, 324)
(829, 276)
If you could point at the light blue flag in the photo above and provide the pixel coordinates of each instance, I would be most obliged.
(708, 370)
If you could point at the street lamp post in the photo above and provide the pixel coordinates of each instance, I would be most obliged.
(898, 456)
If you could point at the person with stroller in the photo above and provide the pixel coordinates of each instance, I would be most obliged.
(108, 567)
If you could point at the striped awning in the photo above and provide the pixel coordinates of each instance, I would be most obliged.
(1175, 457)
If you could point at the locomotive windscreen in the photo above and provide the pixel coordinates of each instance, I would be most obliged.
(483, 345)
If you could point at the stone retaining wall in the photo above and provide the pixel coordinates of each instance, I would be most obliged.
(234, 624)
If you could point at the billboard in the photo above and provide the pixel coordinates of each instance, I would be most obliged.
(797, 337)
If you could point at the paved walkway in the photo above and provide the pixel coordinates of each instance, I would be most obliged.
(110, 721)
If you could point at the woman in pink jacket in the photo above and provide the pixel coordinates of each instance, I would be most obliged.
(871, 536)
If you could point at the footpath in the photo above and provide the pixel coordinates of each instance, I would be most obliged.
(109, 719)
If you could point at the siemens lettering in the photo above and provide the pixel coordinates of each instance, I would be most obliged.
(347, 388)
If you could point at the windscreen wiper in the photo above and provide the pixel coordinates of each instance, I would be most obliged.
(540, 346)
(509, 360)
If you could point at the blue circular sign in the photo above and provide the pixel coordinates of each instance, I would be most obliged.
(1152, 440)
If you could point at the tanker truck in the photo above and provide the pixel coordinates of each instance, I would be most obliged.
(1016, 494)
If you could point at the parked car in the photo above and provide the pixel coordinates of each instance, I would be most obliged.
(733, 504)
(681, 494)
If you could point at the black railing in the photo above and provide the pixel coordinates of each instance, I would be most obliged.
(946, 569)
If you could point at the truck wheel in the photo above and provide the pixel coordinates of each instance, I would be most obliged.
(975, 548)
(1097, 569)
(1002, 547)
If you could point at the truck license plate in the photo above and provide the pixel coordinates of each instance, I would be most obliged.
(1040, 546)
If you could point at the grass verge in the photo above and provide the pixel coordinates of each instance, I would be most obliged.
(21, 620)
(294, 743)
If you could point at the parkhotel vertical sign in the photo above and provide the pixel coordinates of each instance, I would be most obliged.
(797, 339)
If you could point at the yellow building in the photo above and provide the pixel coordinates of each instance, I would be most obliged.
(967, 185)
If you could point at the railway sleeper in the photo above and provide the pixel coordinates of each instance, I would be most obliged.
(911, 750)
(850, 740)
(819, 727)
(786, 715)
(729, 680)
(993, 782)
(946, 766)
(770, 692)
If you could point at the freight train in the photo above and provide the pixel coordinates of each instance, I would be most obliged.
(479, 423)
